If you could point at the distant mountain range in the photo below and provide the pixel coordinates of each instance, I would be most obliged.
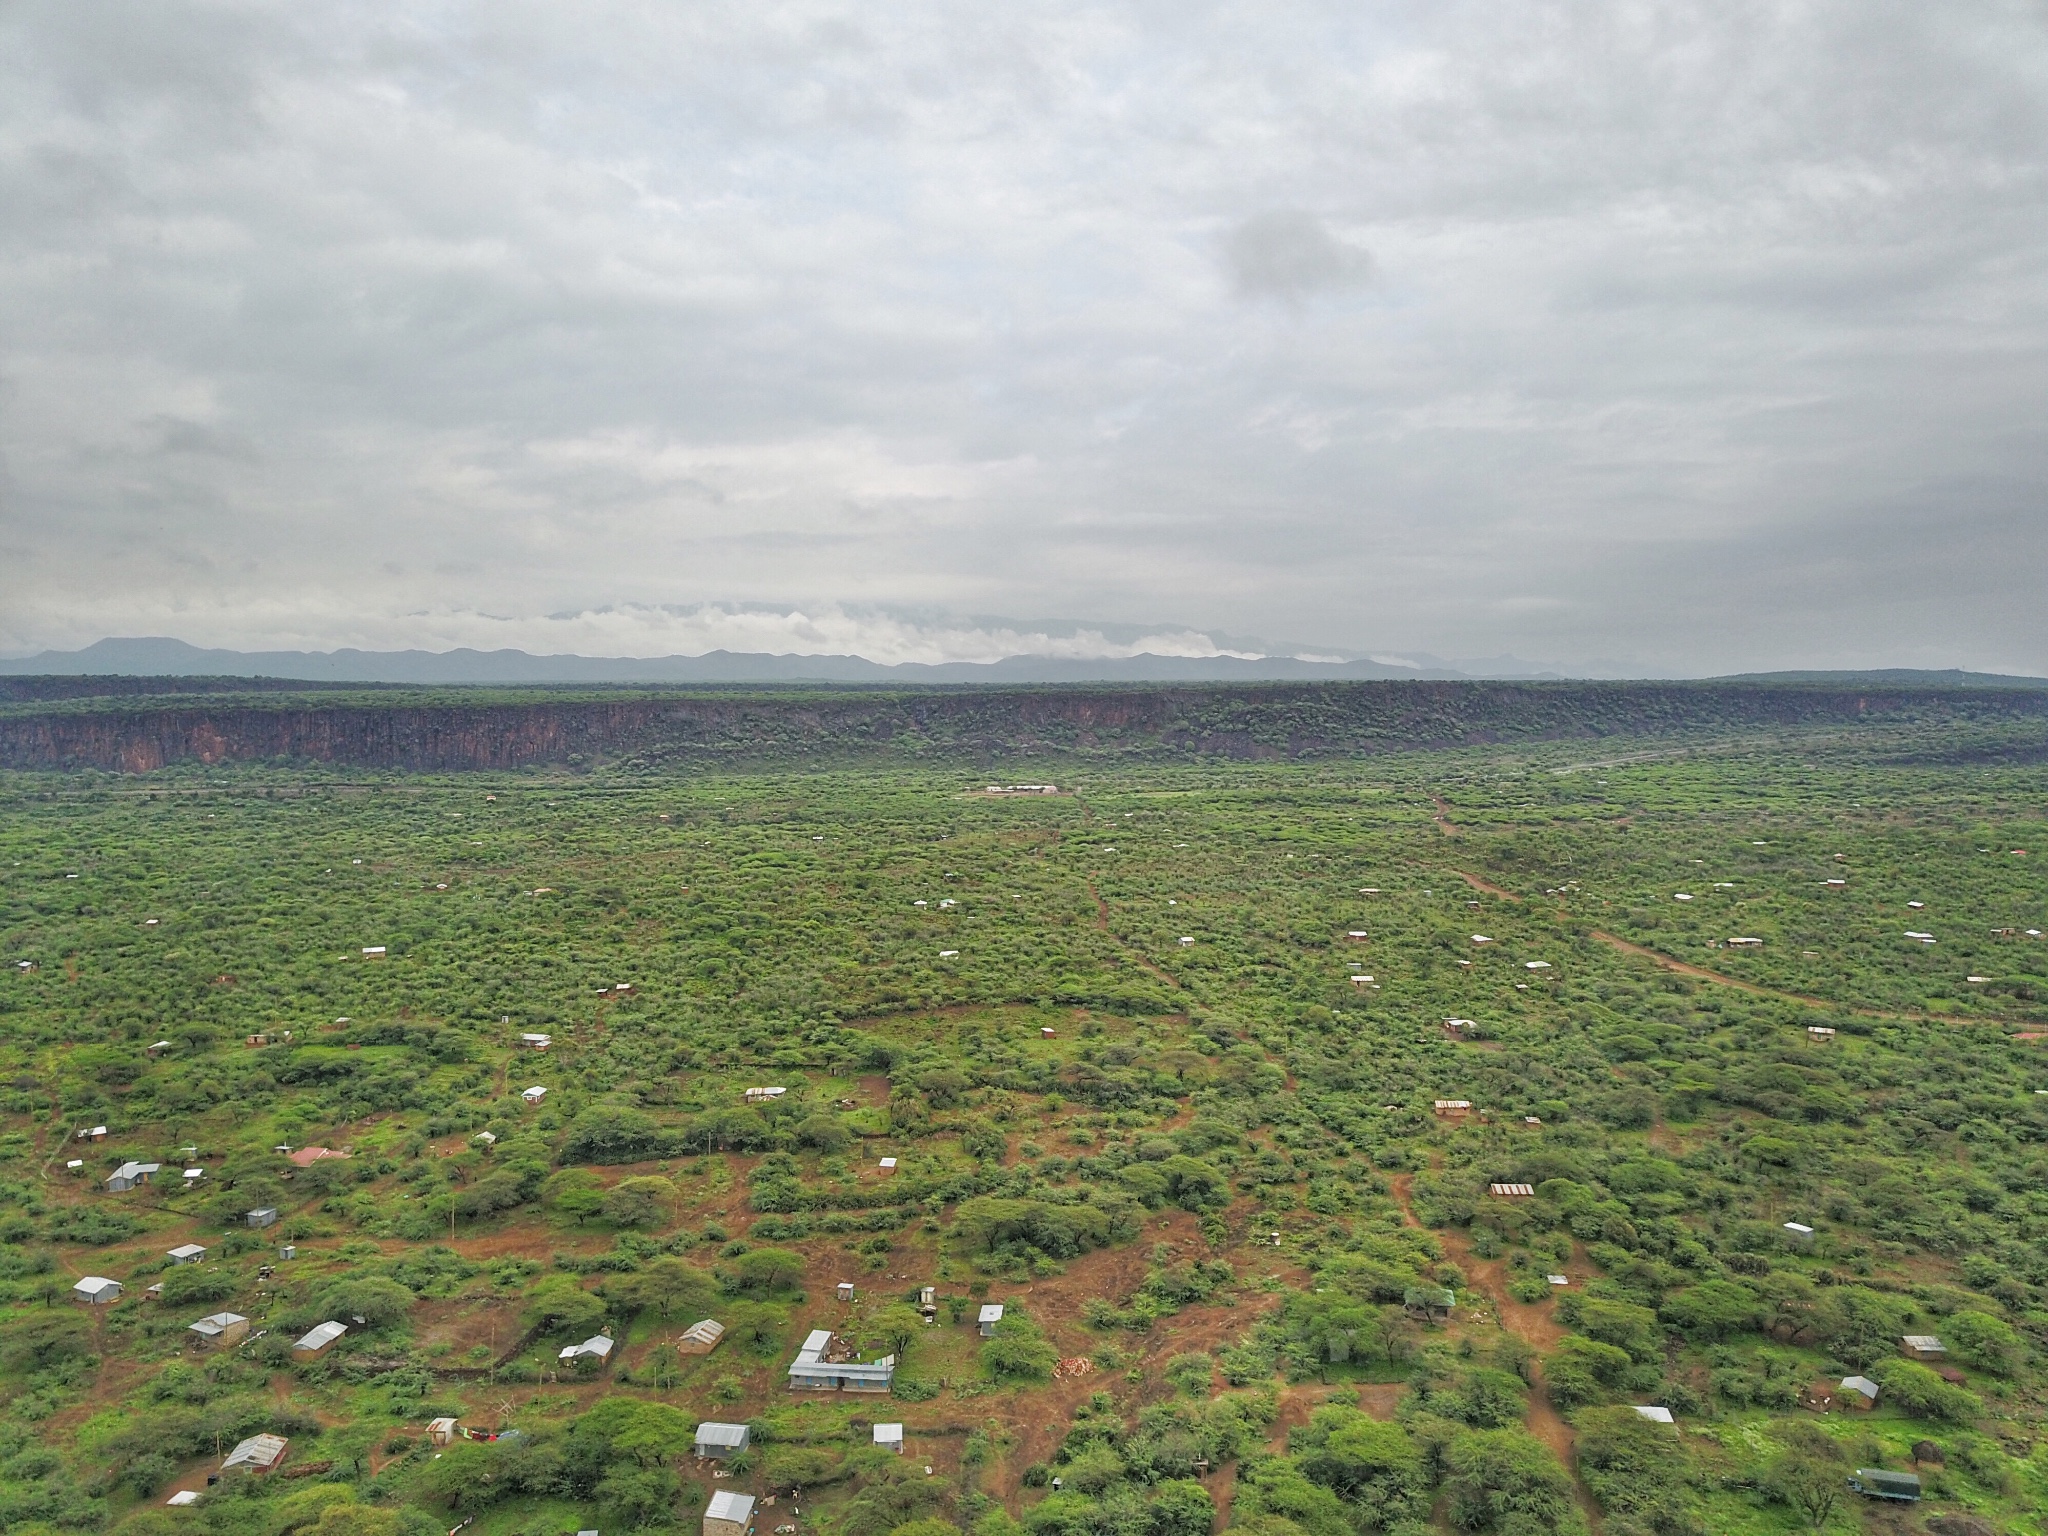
(175, 658)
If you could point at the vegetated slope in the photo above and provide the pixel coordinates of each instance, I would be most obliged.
(1157, 1061)
(481, 730)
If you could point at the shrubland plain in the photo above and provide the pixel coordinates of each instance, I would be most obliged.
(1350, 1148)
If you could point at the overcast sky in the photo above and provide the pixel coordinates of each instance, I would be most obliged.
(1662, 337)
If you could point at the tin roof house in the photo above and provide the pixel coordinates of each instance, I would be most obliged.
(825, 1364)
(318, 1341)
(219, 1330)
(129, 1175)
(596, 1349)
(986, 1319)
(258, 1453)
(701, 1337)
(716, 1441)
(729, 1514)
(97, 1290)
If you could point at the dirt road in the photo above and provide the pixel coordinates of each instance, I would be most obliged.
(1533, 1325)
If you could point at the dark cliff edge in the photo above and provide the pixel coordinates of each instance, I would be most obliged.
(1286, 721)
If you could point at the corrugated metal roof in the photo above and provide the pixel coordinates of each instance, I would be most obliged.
(321, 1337)
(727, 1505)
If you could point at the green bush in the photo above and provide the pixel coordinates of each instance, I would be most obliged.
(1913, 1388)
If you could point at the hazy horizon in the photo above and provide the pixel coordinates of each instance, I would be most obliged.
(1689, 341)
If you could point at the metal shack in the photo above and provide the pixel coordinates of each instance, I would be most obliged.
(597, 1348)
(701, 1337)
(319, 1341)
(258, 1453)
(717, 1442)
(129, 1175)
(729, 1514)
(220, 1330)
(816, 1369)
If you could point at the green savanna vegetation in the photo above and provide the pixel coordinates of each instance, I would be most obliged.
(1159, 1061)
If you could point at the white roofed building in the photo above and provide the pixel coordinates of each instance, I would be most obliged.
(318, 1341)
(220, 1330)
(729, 1514)
(258, 1453)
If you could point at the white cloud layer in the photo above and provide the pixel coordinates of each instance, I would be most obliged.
(877, 634)
(1694, 336)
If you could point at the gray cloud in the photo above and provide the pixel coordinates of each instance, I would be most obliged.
(1289, 255)
(1707, 336)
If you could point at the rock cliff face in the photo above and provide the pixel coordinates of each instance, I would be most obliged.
(1273, 721)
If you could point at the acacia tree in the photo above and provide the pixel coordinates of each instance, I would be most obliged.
(1808, 1474)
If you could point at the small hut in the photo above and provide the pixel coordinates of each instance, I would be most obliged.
(594, 1350)
(729, 1514)
(220, 1330)
(258, 1453)
(701, 1337)
(317, 1342)
(720, 1442)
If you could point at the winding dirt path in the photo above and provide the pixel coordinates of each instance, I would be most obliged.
(1701, 973)
(1487, 886)
(1101, 908)
(1721, 979)
(1534, 1325)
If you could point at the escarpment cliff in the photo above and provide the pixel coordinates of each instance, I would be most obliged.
(481, 730)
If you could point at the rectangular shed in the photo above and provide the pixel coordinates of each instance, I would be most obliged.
(220, 1330)
(729, 1514)
(716, 1441)
(258, 1453)
(701, 1337)
(318, 1341)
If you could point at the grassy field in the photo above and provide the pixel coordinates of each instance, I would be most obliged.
(1158, 1059)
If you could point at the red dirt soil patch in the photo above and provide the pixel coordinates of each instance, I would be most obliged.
(1535, 1325)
